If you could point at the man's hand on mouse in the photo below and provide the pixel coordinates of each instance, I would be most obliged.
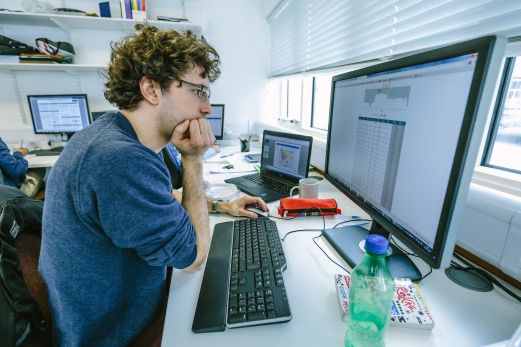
(238, 207)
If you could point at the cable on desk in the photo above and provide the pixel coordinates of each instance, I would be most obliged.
(328, 257)
(320, 230)
(352, 220)
(484, 273)
(283, 218)
(299, 230)
(411, 255)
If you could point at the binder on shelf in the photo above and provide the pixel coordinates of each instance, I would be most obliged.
(104, 9)
(138, 10)
(126, 9)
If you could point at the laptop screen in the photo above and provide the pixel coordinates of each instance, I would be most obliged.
(286, 154)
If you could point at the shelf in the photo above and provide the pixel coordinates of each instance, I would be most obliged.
(72, 68)
(84, 22)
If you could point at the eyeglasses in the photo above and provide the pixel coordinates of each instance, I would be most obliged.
(203, 92)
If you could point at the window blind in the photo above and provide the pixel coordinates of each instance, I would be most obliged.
(308, 35)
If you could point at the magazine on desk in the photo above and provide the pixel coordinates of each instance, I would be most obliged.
(409, 308)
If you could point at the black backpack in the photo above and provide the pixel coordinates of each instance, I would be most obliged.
(20, 315)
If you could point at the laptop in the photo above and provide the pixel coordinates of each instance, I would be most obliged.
(284, 161)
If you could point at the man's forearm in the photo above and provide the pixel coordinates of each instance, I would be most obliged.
(194, 202)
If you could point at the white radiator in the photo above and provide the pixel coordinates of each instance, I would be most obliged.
(491, 228)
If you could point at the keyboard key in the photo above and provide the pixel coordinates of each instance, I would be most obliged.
(253, 266)
(256, 315)
(237, 318)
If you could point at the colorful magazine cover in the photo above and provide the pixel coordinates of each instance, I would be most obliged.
(408, 309)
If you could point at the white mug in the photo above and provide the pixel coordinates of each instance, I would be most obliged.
(308, 188)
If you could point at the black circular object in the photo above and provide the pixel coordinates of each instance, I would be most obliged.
(469, 279)
(316, 177)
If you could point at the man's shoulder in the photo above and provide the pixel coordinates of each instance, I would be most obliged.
(108, 141)
(119, 149)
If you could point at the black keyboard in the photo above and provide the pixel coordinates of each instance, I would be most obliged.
(242, 282)
(47, 152)
(271, 183)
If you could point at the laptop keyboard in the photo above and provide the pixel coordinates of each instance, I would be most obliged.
(47, 152)
(271, 183)
(251, 291)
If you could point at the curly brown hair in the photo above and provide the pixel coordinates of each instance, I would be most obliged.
(161, 55)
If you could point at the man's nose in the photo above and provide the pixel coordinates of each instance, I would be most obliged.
(207, 108)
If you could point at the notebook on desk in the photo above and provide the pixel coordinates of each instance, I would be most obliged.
(284, 161)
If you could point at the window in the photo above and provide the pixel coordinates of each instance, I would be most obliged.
(295, 99)
(321, 100)
(290, 99)
(302, 100)
(278, 97)
(504, 142)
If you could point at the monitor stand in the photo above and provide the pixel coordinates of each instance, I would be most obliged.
(348, 242)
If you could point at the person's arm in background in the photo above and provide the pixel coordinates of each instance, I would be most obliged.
(192, 138)
(13, 165)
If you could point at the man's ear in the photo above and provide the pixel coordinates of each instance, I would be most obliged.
(150, 90)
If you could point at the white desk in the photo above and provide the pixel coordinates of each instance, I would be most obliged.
(41, 161)
(463, 318)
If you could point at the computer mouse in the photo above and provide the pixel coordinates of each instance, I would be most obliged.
(258, 211)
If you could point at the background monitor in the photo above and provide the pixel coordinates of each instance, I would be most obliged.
(399, 136)
(59, 114)
(216, 120)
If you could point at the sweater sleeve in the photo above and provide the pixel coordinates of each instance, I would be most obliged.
(136, 208)
(12, 165)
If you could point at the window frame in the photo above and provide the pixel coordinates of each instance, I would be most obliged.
(499, 106)
(312, 115)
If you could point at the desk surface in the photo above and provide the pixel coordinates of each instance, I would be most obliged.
(463, 318)
(41, 161)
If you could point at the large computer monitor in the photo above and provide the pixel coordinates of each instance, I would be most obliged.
(402, 144)
(216, 120)
(59, 114)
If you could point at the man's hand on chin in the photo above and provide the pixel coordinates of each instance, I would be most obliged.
(193, 137)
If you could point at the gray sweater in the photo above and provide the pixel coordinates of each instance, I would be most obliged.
(110, 228)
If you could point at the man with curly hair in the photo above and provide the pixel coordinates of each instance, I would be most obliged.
(111, 223)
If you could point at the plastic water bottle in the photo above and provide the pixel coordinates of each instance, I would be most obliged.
(370, 296)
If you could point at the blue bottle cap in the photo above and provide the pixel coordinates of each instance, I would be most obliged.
(376, 244)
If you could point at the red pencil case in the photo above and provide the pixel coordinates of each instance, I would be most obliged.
(290, 207)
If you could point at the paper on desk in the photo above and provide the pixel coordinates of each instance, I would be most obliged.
(219, 168)
(217, 159)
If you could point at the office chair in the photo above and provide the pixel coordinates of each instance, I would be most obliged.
(173, 169)
(28, 247)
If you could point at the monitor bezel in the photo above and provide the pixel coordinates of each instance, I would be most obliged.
(57, 95)
(220, 137)
(484, 47)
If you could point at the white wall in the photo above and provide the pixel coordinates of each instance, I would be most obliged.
(236, 28)
(239, 32)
